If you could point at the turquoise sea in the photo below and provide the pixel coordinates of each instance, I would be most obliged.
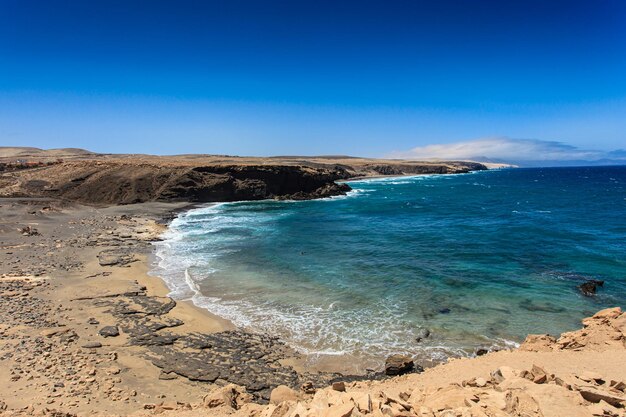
(479, 259)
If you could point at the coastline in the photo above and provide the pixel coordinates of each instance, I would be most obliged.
(57, 303)
(343, 364)
(97, 278)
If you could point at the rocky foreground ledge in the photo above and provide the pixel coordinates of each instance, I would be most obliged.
(582, 373)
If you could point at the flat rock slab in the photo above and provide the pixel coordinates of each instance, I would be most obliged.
(115, 288)
(116, 257)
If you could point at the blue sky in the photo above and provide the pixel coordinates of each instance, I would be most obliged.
(363, 78)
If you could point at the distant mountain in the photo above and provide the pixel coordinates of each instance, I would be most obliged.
(25, 152)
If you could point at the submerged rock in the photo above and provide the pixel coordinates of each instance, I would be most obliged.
(588, 288)
(422, 334)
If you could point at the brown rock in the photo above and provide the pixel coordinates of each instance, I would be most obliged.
(281, 394)
(596, 395)
(339, 386)
(539, 375)
(398, 365)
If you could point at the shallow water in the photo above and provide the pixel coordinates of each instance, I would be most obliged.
(479, 259)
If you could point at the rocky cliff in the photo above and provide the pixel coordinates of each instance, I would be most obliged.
(125, 179)
(126, 183)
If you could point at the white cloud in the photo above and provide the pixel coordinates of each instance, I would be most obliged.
(503, 149)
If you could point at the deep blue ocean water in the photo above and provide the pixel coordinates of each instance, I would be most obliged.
(478, 259)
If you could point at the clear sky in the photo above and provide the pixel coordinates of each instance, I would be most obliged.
(310, 77)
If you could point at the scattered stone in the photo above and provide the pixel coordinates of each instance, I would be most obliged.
(92, 345)
(28, 231)
(92, 321)
(308, 388)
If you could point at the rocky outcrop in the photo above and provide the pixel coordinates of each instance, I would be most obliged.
(606, 328)
(448, 167)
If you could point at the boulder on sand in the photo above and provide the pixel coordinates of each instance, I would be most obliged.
(398, 365)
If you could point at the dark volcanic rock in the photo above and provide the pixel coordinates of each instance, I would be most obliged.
(398, 365)
(588, 288)
(481, 351)
(109, 331)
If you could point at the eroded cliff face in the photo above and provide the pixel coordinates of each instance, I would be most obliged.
(101, 179)
(123, 183)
